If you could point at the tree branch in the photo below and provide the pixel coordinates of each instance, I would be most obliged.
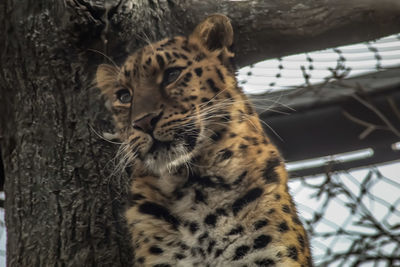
(263, 29)
(267, 29)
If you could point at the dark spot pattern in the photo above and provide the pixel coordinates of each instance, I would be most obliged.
(183, 56)
(283, 227)
(187, 77)
(210, 219)
(243, 147)
(265, 263)
(202, 237)
(269, 173)
(179, 256)
(160, 61)
(198, 71)
(226, 154)
(218, 253)
(193, 227)
(220, 76)
(235, 231)
(226, 118)
(262, 241)
(286, 208)
(302, 242)
(271, 211)
(168, 56)
(249, 108)
(148, 61)
(249, 197)
(212, 85)
(169, 42)
(133, 198)
(199, 57)
(216, 136)
(210, 246)
(155, 250)
(240, 252)
(296, 219)
(260, 224)
(221, 211)
(240, 178)
(205, 99)
(186, 48)
(292, 252)
(199, 196)
(158, 238)
(158, 212)
(183, 246)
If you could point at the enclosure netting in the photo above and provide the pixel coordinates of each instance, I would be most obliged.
(353, 216)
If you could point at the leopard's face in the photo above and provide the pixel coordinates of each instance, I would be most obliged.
(169, 97)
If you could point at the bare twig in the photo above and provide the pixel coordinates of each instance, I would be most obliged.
(394, 107)
(378, 113)
(370, 127)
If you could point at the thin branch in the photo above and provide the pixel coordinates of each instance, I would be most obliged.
(370, 127)
(378, 113)
(394, 107)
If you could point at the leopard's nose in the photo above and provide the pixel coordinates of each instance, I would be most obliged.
(147, 122)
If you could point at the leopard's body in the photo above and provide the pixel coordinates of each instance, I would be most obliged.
(209, 188)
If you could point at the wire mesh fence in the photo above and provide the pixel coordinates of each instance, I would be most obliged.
(353, 217)
(304, 70)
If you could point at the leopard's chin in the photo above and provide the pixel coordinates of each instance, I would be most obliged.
(166, 156)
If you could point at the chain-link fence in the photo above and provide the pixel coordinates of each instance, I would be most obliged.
(353, 216)
(303, 70)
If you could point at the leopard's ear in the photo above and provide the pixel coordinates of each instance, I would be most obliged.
(107, 79)
(214, 33)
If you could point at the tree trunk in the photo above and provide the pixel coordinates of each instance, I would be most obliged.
(63, 201)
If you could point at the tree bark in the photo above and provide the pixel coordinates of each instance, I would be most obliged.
(63, 203)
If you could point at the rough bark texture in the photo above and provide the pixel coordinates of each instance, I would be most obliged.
(63, 205)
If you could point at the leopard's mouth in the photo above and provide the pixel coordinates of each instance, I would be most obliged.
(159, 145)
(166, 155)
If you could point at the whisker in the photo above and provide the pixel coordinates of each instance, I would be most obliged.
(104, 55)
(101, 137)
(269, 127)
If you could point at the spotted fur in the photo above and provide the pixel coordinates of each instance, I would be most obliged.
(209, 188)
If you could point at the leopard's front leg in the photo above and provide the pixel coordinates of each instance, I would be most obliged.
(154, 229)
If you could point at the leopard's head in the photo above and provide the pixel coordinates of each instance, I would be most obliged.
(169, 97)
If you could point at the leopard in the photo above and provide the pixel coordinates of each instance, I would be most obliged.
(209, 188)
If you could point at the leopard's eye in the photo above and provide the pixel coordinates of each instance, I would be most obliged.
(170, 75)
(124, 96)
